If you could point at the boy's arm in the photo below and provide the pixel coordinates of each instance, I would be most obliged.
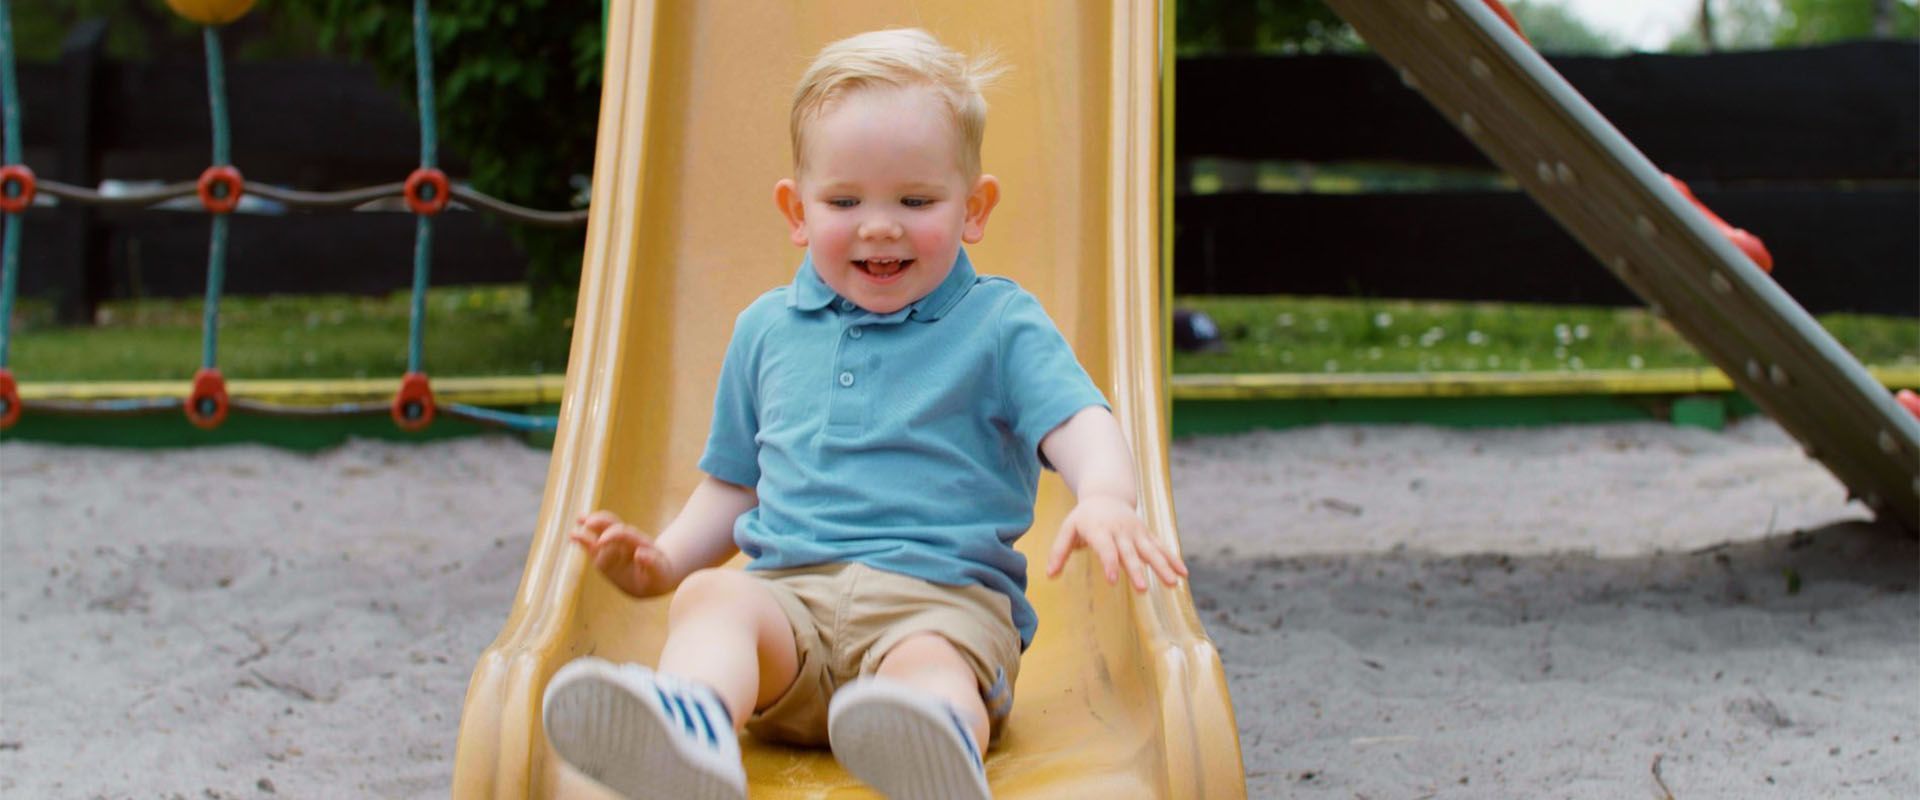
(1092, 456)
(700, 536)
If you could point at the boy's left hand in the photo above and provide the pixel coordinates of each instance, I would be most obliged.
(1119, 538)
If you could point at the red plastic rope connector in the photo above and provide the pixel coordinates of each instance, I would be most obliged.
(427, 191)
(1909, 401)
(1747, 242)
(1506, 16)
(207, 403)
(220, 189)
(9, 400)
(16, 175)
(413, 404)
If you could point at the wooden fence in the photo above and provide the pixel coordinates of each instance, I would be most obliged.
(1817, 151)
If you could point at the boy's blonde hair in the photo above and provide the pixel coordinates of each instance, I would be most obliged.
(898, 57)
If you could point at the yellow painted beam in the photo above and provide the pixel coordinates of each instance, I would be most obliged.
(512, 390)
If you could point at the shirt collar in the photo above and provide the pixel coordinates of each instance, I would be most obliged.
(810, 293)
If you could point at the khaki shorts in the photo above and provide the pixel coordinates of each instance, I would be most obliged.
(846, 617)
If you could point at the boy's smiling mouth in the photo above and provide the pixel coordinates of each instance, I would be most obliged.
(883, 269)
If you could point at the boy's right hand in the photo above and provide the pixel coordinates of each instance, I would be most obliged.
(624, 555)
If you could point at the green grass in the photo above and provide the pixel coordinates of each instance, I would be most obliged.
(1300, 334)
(488, 331)
(470, 331)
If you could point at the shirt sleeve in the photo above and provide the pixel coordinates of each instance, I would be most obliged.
(732, 453)
(1044, 384)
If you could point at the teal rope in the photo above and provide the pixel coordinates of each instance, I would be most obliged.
(7, 83)
(222, 155)
(422, 256)
(217, 97)
(423, 67)
(423, 232)
(10, 250)
(216, 275)
(11, 275)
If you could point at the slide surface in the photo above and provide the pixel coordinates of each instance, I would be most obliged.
(1121, 695)
(1489, 83)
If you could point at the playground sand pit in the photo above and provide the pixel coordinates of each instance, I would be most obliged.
(1594, 611)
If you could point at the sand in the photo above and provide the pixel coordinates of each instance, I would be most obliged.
(1404, 612)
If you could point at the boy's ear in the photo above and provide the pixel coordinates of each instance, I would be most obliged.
(980, 203)
(786, 195)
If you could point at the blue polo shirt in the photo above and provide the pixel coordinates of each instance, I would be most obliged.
(909, 442)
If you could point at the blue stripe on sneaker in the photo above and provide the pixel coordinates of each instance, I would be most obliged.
(966, 737)
(706, 725)
(666, 703)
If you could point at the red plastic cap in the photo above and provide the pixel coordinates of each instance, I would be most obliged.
(207, 403)
(1909, 401)
(9, 400)
(221, 188)
(1747, 242)
(413, 404)
(1506, 16)
(16, 175)
(427, 192)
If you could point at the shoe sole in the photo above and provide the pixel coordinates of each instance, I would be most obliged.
(607, 733)
(897, 745)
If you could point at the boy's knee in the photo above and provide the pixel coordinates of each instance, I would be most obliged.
(711, 589)
(922, 650)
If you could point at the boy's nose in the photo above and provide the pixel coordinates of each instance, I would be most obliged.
(879, 227)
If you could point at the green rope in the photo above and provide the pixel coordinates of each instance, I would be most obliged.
(222, 156)
(10, 249)
(423, 233)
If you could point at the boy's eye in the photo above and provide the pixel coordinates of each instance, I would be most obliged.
(916, 202)
(842, 202)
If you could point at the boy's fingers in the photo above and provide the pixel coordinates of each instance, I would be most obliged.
(599, 520)
(1130, 558)
(1162, 563)
(1109, 560)
(1062, 545)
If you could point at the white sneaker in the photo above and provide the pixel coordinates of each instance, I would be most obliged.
(645, 735)
(906, 743)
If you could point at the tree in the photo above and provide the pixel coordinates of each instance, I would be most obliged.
(1811, 22)
(517, 93)
(1261, 26)
(1554, 29)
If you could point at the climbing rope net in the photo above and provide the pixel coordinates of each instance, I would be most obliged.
(426, 191)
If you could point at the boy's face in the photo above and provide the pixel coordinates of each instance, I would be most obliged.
(881, 202)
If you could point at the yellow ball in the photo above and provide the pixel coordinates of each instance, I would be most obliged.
(211, 12)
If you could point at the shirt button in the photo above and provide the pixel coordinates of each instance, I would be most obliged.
(846, 305)
(846, 379)
(854, 333)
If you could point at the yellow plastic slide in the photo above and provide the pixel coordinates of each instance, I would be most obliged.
(1121, 695)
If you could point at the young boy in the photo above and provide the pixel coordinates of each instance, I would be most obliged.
(878, 434)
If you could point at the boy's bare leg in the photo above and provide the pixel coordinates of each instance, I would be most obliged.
(928, 662)
(725, 630)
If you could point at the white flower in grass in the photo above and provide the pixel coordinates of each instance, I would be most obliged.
(1373, 354)
(1476, 338)
(1493, 362)
(1333, 365)
(1580, 331)
(1284, 320)
(1635, 361)
(1576, 363)
(1383, 320)
(1320, 324)
(1562, 333)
